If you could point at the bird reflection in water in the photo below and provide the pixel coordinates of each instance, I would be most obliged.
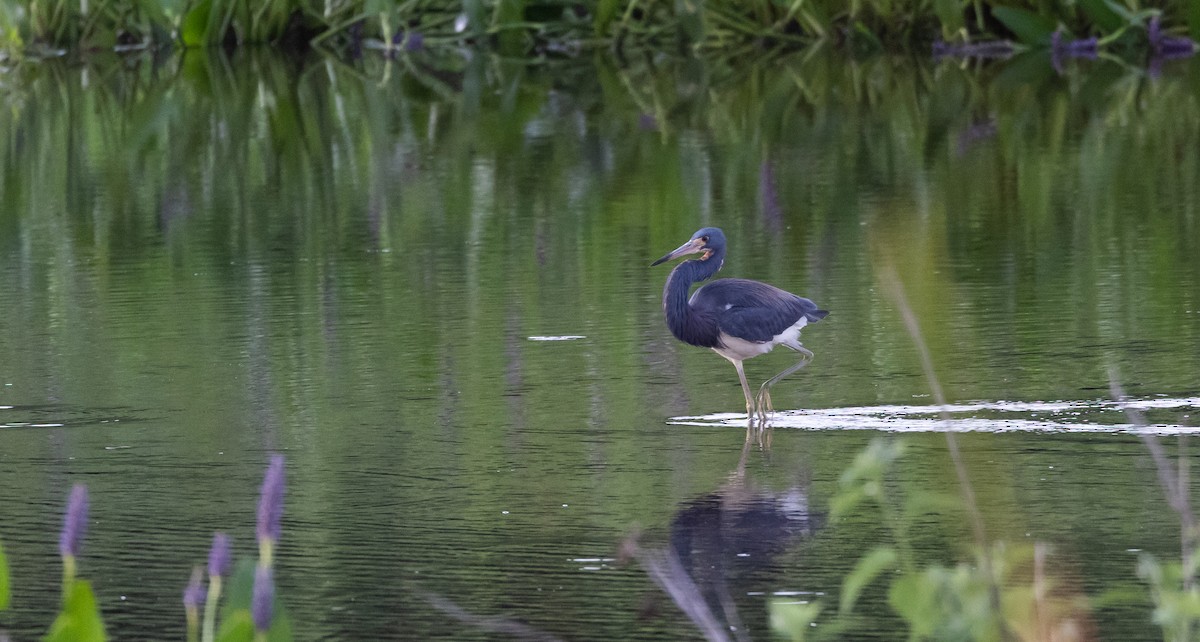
(738, 318)
(719, 542)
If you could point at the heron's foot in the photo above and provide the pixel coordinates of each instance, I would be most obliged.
(764, 406)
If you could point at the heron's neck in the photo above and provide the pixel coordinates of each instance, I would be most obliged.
(684, 322)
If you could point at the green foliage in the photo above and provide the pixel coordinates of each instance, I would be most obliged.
(995, 596)
(1101, 13)
(865, 571)
(236, 626)
(237, 605)
(524, 28)
(864, 479)
(1176, 596)
(946, 604)
(793, 620)
(196, 26)
(1029, 27)
(79, 620)
(950, 14)
(5, 588)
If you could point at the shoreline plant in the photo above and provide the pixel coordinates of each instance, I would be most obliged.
(250, 612)
(538, 30)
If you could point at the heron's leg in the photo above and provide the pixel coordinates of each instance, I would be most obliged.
(745, 388)
(764, 393)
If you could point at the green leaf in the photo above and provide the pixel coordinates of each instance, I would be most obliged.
(793, 620)
(606, 11)
(237, 599)
(1102, 15)
(845, 501)
(1193, 17)
(79, 620)
(690, 20)
(1030, 28)
(5, 590)
(193, 29)
(236, 627)
(950, 12)
(872, 461)
(867, 568)
(1121, 11)
(915, 599)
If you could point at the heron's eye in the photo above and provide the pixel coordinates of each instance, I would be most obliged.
(704, 238)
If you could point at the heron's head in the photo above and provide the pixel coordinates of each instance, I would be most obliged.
(706, 242)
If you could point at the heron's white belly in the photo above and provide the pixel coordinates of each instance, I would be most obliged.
(736, 349)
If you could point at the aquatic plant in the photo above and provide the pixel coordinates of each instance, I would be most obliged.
(270, 509)
(5, 587)
(251, 610)
(79, 618)
(74, 527)
(538, 30)
(220, 559)
(262, 601)
(193, 595)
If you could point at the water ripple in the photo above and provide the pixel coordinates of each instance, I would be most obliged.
(1096, 416)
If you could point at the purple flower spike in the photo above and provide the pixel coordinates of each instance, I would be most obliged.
(1085, 48)
(1154, 32)
(193, 595)
(219, 556)
(1168, 46)
(1088, 48)
(74, 522)
(263, 598)
(415, 41)
(270, 502)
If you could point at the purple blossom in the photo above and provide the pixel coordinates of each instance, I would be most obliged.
(263, 597)
(74, 522)
(1168, 46)
(219, 556)
(193, 595)
(414, 42)
(410, 41)
(270, 501)
(1087, 48)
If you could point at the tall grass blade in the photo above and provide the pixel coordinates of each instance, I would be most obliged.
(5, 588)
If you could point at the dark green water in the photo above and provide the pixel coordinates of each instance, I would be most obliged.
(206, 261)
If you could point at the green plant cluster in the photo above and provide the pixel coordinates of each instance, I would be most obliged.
(247, 612)
(533, 28)
(1003, 592)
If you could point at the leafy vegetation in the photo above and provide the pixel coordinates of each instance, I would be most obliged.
(250, 611)
(539, 28)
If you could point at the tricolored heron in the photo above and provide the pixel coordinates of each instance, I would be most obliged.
(738, 318)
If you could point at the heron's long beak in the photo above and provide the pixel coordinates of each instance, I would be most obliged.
(691, 247)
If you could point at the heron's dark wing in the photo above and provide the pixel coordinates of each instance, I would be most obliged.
(752, 310)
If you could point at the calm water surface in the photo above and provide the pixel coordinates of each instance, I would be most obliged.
(206, 261)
